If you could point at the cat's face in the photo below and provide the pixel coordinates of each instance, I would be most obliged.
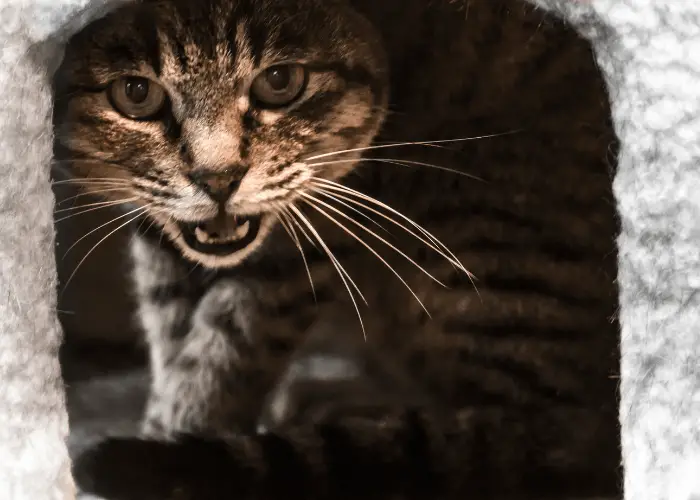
(212, 116)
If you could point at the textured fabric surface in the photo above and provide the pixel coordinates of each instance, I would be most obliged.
(34, 462)
(650, 54)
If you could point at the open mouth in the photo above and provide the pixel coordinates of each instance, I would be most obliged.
(223, 235)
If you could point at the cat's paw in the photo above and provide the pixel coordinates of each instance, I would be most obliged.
(135, 469)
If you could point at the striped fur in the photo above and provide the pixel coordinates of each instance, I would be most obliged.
(507, 389)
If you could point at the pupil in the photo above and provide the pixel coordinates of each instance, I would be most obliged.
(137, 90)
(278, 78)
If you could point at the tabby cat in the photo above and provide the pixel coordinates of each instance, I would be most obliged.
(337, 166)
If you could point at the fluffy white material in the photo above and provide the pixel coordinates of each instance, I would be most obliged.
(650, 54)
(34, 461)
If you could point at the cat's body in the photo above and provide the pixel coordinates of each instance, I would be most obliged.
(506, 392)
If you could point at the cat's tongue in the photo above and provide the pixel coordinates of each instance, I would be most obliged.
(222, 229)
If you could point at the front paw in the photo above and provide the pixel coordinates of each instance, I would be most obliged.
(135, 469)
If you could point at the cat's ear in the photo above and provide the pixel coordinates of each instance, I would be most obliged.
(136, 469)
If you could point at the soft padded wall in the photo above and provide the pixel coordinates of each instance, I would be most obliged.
(649, 52)
(33, 423)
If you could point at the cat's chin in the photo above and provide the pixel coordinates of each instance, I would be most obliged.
(222, 242)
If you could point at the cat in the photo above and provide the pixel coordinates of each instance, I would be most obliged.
(335, 372)
(284, 163)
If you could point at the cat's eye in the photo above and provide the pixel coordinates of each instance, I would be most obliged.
(279, 85)
(137, 98)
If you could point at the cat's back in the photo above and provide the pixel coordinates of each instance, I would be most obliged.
(528, 209)
(520, 195)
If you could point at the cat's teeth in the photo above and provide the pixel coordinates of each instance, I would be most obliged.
(242, 230)
(234, 233)
(201, 235)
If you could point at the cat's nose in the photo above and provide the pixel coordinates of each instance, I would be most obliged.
(219, 186)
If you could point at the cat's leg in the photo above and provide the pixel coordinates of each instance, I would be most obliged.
(514, 453)
(478, 452)
(194, 334)
(165, 305)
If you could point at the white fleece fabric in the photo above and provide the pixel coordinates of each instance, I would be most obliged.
(649, 51)
(34, 462)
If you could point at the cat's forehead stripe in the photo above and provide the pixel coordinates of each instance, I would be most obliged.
(257, 36)
(150, 39)
(208, 30)
(173, 54)
(245, 55)
(172, 47)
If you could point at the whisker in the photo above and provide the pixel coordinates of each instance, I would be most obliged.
(100, 227)
(86, 205)
(335, 186)
(70, 278)
(368, 247)
(332, 256)
(94, 161)
(336, 264)
(401, 163)
(98, 180)
(337, 197)
(411, 143)
(88, 193)
(162, 232)
(293, 235)
(138, 228)
(333, 197)
(101, 204)
(345, 216)
(301, 229)
(437, 146)
(153, 222)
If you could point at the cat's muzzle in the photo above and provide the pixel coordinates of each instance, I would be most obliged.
(223, 235)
